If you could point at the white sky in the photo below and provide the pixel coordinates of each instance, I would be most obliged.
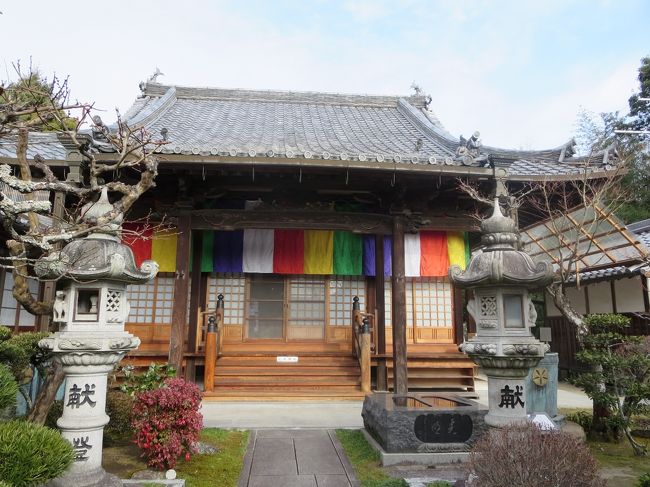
(517, 71)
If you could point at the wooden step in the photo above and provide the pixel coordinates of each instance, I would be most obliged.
(259, 376)
(254, 395)
(266, 361)
(286, 371)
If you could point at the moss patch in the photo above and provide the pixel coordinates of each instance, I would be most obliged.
(618, 464)
(365, 460)
(122, 459)
(200, 471)
(225, 465)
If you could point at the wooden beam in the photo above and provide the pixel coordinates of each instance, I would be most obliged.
(181, 290)
(367, 223)
(380, 307)
(400, 371)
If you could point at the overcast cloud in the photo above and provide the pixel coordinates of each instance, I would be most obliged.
(518, 71)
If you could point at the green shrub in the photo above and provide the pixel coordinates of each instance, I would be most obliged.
(643, 481)
(32, 454)
(153, 378)
(119, 406)
(20, 351)
(5, 333)
(618, 380)
(581, 418)
(4, 484)
(8, 388)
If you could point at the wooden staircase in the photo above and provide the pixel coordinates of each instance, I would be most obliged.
(261, 377)
(438, 371)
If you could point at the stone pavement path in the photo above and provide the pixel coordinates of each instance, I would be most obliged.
(296, 458)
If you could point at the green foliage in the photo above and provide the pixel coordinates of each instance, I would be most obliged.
(439, 483)
(637, 180)
(21, 351)
(581, 418)
(365, 460)
(5, 333)
(153, 378)
(32, 454)
(619, 378)
(8, 387)
(643, 481)
(119, 406)
(34, 96)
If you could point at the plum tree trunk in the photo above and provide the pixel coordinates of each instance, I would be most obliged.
(47, 394)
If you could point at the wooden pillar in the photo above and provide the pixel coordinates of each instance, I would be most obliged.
(400, 373)
(612, 287)
(181, 288)
(380, 319)
(195, 301)
(210, 356)
(458, 315)
(364, 359)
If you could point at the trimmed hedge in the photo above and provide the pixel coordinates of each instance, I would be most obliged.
(31, 454)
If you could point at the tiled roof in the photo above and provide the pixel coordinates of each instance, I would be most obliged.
(641, 230)
(306, 125)
(611, 273)
(45, 144)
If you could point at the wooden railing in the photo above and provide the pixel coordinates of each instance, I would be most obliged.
(213, 344)
(361, 340)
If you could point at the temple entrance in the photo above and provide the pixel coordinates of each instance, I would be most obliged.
(285, 308)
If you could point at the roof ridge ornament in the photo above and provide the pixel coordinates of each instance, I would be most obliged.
(469, 151)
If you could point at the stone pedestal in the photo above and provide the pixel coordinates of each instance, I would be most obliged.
(541, 388)
(87, 359)
(507, 390)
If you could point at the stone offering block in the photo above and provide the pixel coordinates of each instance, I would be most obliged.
(423, 422)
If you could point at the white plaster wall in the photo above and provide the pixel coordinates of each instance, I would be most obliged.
(577, 298)
(629, 295)
(600, 298)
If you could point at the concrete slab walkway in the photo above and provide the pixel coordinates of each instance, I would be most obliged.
(332, 414)
(295, 458)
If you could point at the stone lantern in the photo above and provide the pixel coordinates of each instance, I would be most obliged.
(90, 308)
(500, 276)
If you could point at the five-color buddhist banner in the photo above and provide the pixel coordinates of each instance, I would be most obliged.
(427, 253)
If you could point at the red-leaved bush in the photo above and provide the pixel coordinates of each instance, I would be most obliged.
(167, 422)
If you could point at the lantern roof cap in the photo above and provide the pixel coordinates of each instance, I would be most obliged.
(498, 262)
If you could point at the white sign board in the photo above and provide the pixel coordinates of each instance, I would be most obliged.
(286, 359)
